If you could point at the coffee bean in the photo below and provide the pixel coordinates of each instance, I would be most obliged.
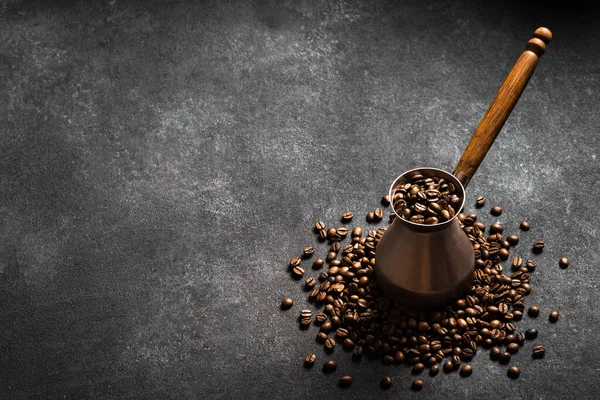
(329, 367)
(319, 225)
(385, 200)
(326, 327)
(322, 234)
(321, 337)
(370, 216)
(434, 370)
(530, 265)
(512, 348)
(525, 226)
(287, 303)
(513, 372)
(417, 384)
(309, 360)
(563, 262)
(495, 353)
(297, 272)
(378, 213)
(466, 370)
(329, 345)
(531, 334)
(448, 367)
(553, 316)
(305, 322)
(345, 381)
(496, 210)
(513, 240)
(387, 360)
(517, 263)
(295, 262)
(503, 254)
(310, 282)
(398, 357)
(496, 228)
(417, 368)
(538, 246)
(308, 251)
(357, 232)
(504, 357)
(533, 311)
(385, 383)
(318, 263)
(347, 216)
(538, 351)
(480, 202)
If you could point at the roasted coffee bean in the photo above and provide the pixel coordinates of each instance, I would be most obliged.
(347, 216)
(385, 383)
(385, 200)
(310, 282)
(370, 216)
(295, 262)
(329, 367)
(321, 337)
(513, 372)
(417, 384)
(322, 235)
(345, 380)
(326, 327)
(553, 316)
(398, 357)
(318, 263)
(525, 226)
(538, 246)
(357, 232)
(305, 322)
(357, 353)
(434, 370)
(320, 318)
(343, 232)
(533, 311)
(496, 210)
(480, 202)
(417, 368)
(496, 228)
(330, 345)
(517, 263)
(387, 360)
(309, 360)
(512, 348)
(563, 262)
(513, 240)
(530, 265)
(287, 303)
(503, 254)
(378, 213)
(319, 225)
(531, 334)
(504, 358)
(466, 370)
(448, 367)
(538, 351)
(297, 272)
(495, 353)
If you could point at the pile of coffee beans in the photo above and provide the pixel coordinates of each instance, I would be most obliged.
(426, 200)
(355, 317)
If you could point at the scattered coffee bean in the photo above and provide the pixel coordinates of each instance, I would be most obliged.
(480, 202)
(512, 348)
(417, 368)
(329, 367)
(385, 200)
(533, 311)
(347, 216)
(496, 210)
(538, 351)
(513, 372)
(345, 380)
(319, 225)
(297, 272)
(525, 226)
(387, 360)
(329, 345)
(434, 370)
(531, 334)
(318, 263)
(513, 240)
(538, 246)
(495, 353)
(322, 235)
(466, 370)
(385, 383)
(308, 251)
(496, 228)
(342, 231)
(378, 213)
(448, 366)
(530, 265)
(370, 216)
(309, 360)
(305, 322)
(321, 337)
(357, 232)
(563, 262)
(553, 316)
(287, 303)
(504, 357)
(417, 384)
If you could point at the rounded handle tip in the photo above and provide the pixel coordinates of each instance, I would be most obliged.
(536, 46)
(544, 34)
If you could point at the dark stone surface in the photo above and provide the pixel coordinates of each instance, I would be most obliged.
(160, 162)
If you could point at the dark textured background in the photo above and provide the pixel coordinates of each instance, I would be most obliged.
(160, 162)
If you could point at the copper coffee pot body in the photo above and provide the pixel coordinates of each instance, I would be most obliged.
(427, 266)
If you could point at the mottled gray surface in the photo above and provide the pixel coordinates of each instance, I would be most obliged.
(160, 162)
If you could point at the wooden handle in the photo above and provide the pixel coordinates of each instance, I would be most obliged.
(501, 106)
